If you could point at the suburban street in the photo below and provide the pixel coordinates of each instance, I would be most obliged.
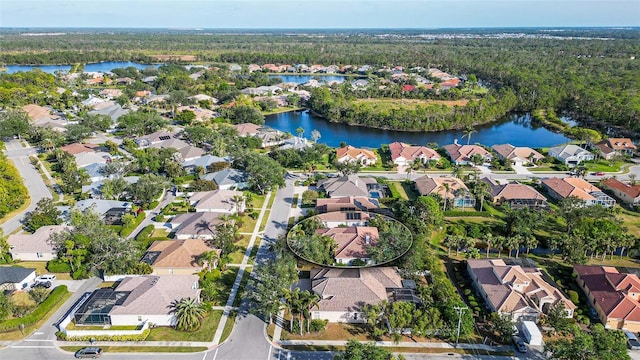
(32, 180)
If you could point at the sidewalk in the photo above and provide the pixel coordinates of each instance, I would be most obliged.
(403, 344)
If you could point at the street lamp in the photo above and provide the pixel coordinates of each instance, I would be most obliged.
(460, 309)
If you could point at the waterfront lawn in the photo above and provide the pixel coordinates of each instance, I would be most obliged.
(205, 333)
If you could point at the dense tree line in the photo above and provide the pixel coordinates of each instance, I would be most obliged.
(13, 193)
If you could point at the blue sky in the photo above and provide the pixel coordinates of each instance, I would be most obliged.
(309, 14)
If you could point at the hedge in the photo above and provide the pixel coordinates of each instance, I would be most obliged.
(127, 230)
(39, 313)
(140, 337)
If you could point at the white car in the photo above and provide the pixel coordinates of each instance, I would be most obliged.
(45, 278)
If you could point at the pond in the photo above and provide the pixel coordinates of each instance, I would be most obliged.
(516, 130)
(101, 66)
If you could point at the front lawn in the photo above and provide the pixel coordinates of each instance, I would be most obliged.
(41, 268)
(204, 333)
(604, 166)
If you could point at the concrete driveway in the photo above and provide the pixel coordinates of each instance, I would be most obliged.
(72, 285)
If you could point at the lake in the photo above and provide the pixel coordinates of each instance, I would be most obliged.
(301, 79)
(102, 66)
(516, 130)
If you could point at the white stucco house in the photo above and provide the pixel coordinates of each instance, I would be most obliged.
(571, 155)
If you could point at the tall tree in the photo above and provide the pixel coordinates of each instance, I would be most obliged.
(44, 214)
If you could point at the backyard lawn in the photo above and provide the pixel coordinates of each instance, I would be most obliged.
(41, 268)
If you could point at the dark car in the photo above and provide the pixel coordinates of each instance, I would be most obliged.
(517, 341)
(88, 353)
(44, 284)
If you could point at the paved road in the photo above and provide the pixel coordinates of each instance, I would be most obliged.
(150, 214)
(32, 180)
(250, 329)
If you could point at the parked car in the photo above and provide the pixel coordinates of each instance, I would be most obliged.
(519, 344)
(599, 173)
(632, 341)
(45, 278)
(88, 353)
(44, 284)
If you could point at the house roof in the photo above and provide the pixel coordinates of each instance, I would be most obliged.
(157, 136)
(216, 200)
(632, 191)
(435, 185)
(612, 290)
(227, 176)
(204, 161)
(77, 148)
(87, 158)
(153, 295)
(355, 153)
(350, 185)
(498, 280)
(459, 152)
(14, 274)
(39, 113)
(36, 242)
(566, 187)
(566, 151)
(190, 152)
(101, 206)
(513, 191)
(171, 143)
(334, 204)
(247, 129)
(508, 151)
(411, 152)
(346, 216)
(620, 143)
(196, 224)
(350, 289)
(352, 241)
(109, 108)
(176, 253)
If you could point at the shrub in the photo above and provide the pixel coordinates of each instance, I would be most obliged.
(145, 233)
(228, 278)
(57, 266)
(473, 304)
(54, 297)
(467, 292)
(213, 275)
(140, 337)
(81, 273)
(39, 294)
(317, 325)
(573, 296)
(127, 230)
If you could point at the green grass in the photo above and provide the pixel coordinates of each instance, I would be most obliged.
(254, 253)
(41, 268)
(397, 191)
(604, 166)
(228, 326)
(294, 203)
(17, 334)
(410, 190)
(271, 200)
(243, 283)
(281, 110)
(204, 333)
(265, 219)
(223, 290)
(144, 349)
(248, 224)
(256, 202)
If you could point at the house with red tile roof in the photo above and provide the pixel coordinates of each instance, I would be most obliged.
(352, 242)
(462, 154)
(78, 148)
(562, 188)
(404, 154)
(614, 296)
(611, 147)
(518, 196)
(407, 88)
(519, 291)
(627, 193)
(356, 155)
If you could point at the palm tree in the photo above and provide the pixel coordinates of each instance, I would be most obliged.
(531, 242)
(238, 200)
(315, 135)
(300, 131)
(480, 190)
(456, 171)
(446, 188)
(292, 303)
(208, 257)
(488, 239)
(468, 132)
(308, 301)
(188, 313)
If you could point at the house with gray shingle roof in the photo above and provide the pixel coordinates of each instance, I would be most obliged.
(571, 155)
(16, 278)
(228, 179)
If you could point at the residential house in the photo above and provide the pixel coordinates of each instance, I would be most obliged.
(462, 154)
(404, 155)
(137, 301)
(296, 143)
(347, 203)
(522, 292)
(85, 159)
(571, 155)
(253, 67)
(111, 211)
(111, 93)
(351, 154)
(218, 201)
(96, 171)
(125, 81)
(352, 242)
(229, 179)
(95, 188)
(199, 225)
(109, 108)
(42, 117)
(203, 162)
(247, 129)
(516, 195)
(344, 219)
(261, 90)
(343, 293)
(613, 295)
(351, 185)
(92, 101)
(270, 137)
(154, 138)
(200, 113)
(178, 257)
(611, 147)
(520, 155)
(77, 148)
(359, 84)
(628, 194)
(14, 278)
(563, 188)
(36, 246)
(457, 194)
(204, 97)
